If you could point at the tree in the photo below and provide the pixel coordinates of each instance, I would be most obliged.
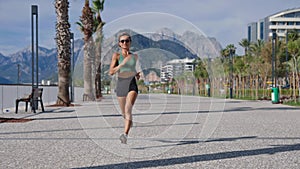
(200, 73)
(98, 6)
(87, 25)
(294, 50)
(256, 50)
(293, 35)
(231, 48)
(245, 44)
(239, 68)
(63, 43)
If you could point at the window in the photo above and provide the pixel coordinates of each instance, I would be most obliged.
(249, 33)
(261, 35)
(289, 15)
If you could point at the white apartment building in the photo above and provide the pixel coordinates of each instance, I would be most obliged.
(280, 22)
(175, 68)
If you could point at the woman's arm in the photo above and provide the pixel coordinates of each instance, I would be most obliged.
(114, 60)
(138, 67)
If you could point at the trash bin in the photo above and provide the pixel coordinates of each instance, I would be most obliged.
(275, 95)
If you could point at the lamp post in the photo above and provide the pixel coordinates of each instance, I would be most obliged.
(275, 89)
(18, 75)
(34, 12)
(72, 70)
(286, 56)
(273, 58)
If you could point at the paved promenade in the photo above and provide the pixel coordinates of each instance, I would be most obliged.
(168, 132)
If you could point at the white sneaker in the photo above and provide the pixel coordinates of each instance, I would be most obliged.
(123, 138)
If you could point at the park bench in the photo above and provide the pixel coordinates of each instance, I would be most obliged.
(36, 95)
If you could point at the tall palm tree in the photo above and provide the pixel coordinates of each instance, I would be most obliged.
(98, 7)
(294, 50)
(63, 43)
(87, 25)
(256, 50)
(200, 73)
(231, 48)
(266, 56)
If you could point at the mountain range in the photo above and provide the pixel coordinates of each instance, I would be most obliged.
(153, 49)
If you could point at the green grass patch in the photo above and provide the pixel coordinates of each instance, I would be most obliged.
(292, 103)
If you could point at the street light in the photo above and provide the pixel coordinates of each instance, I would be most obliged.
(72, 71)
(273, 58)
(18, 75)
(275, 89)
(286, 57)
(34, 11)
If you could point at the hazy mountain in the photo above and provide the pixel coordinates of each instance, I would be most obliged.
(47, 59)
(154, 50)
(196, 43)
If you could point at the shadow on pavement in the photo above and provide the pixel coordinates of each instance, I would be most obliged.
(202, 157)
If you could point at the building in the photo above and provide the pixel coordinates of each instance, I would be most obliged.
(175, 68)
(280, 22)
(166, 73)
(152, 77)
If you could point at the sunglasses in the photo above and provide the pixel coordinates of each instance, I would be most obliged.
(127, 41)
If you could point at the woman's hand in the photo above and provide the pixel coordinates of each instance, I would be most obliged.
(138, 76)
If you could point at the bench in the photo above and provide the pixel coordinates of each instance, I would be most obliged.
(36, 95)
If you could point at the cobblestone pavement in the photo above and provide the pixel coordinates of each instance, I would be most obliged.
(168, 132)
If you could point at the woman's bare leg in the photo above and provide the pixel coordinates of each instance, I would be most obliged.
(122, 101)
(130, 99)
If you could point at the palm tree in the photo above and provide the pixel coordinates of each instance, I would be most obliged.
(293, 35)
(63, 43)
(200, 73)
(245, 44)
(266, 69)
(87, 25)
(256, 50)
(231, 48)
(98, 7)
(239, 69)
(294, 50)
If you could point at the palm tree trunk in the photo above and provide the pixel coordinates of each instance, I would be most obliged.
(63, 43)
(87, 71)
(88, 23)
(98, 64)
(243, 81)
(256, 86)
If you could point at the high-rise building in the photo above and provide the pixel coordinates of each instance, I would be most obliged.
(280, 23)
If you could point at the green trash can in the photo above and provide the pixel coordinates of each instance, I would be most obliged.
(275, 95)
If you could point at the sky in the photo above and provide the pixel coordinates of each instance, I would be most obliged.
(225, 20)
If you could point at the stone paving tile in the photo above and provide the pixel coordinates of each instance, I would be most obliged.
(168, 132)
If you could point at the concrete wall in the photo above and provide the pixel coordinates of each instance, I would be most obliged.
(9, 93)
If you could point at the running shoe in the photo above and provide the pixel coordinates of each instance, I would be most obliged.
(123, 138)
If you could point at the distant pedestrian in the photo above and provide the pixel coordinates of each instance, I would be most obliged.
(124, 64)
